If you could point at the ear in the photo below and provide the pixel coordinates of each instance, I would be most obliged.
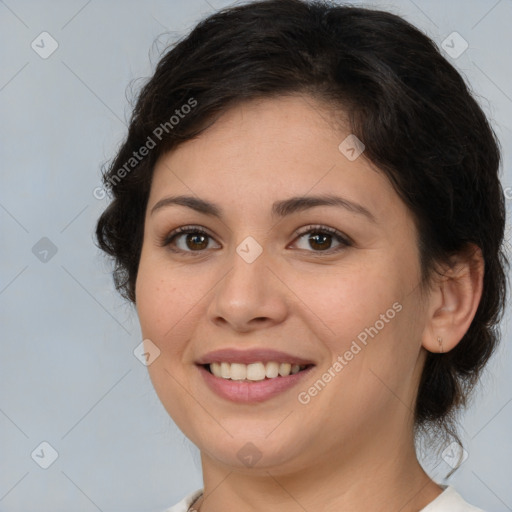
(453, 301)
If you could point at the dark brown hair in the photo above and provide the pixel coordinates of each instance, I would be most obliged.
(414, 112)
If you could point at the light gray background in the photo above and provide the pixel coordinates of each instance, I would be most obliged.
(68, 375)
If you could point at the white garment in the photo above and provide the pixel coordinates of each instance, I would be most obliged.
(448, 501)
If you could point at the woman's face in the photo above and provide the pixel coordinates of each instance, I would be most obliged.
(274, 277)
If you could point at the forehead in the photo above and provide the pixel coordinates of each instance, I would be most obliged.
(266, 150)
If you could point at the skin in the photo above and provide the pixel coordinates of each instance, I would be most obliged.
(351, 447)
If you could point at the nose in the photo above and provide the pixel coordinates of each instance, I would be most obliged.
(250, 296)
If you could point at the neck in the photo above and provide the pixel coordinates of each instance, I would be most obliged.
(378, 476)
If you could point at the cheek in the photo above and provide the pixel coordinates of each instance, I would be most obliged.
(347, 302)
(165, 315)
(368, 317)
(151, 294)
(160, 301)
(170, 304)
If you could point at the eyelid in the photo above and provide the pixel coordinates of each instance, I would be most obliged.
(344, 240)
(168, 238)
(326, 229)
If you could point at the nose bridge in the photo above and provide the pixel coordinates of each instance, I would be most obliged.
(248, 291)
(247, 279)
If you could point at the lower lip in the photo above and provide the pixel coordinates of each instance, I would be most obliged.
(250, 392)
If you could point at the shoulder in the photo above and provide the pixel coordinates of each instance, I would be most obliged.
(450, 501)
(185, 503)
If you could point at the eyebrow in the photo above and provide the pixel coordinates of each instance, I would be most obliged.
(279, 208)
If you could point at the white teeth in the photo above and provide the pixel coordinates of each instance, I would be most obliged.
(254, 371)
(284, 369)
(272, 370)
(215, 368)
(238, 371)
(225, 370)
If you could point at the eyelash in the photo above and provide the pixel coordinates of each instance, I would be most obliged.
(312, 229)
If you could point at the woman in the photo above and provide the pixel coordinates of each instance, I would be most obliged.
(308, 217)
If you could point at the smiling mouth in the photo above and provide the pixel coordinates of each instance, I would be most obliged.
(253, 372)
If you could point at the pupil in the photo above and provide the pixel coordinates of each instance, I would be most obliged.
(193, 239)
(320, 240)
(315, 238)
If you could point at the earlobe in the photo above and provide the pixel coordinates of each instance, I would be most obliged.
(454, 301)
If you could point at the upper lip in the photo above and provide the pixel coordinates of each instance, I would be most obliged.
(232, 355)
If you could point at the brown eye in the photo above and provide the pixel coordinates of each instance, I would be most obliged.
(196, 241)
(321, 239)
(188, 240)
